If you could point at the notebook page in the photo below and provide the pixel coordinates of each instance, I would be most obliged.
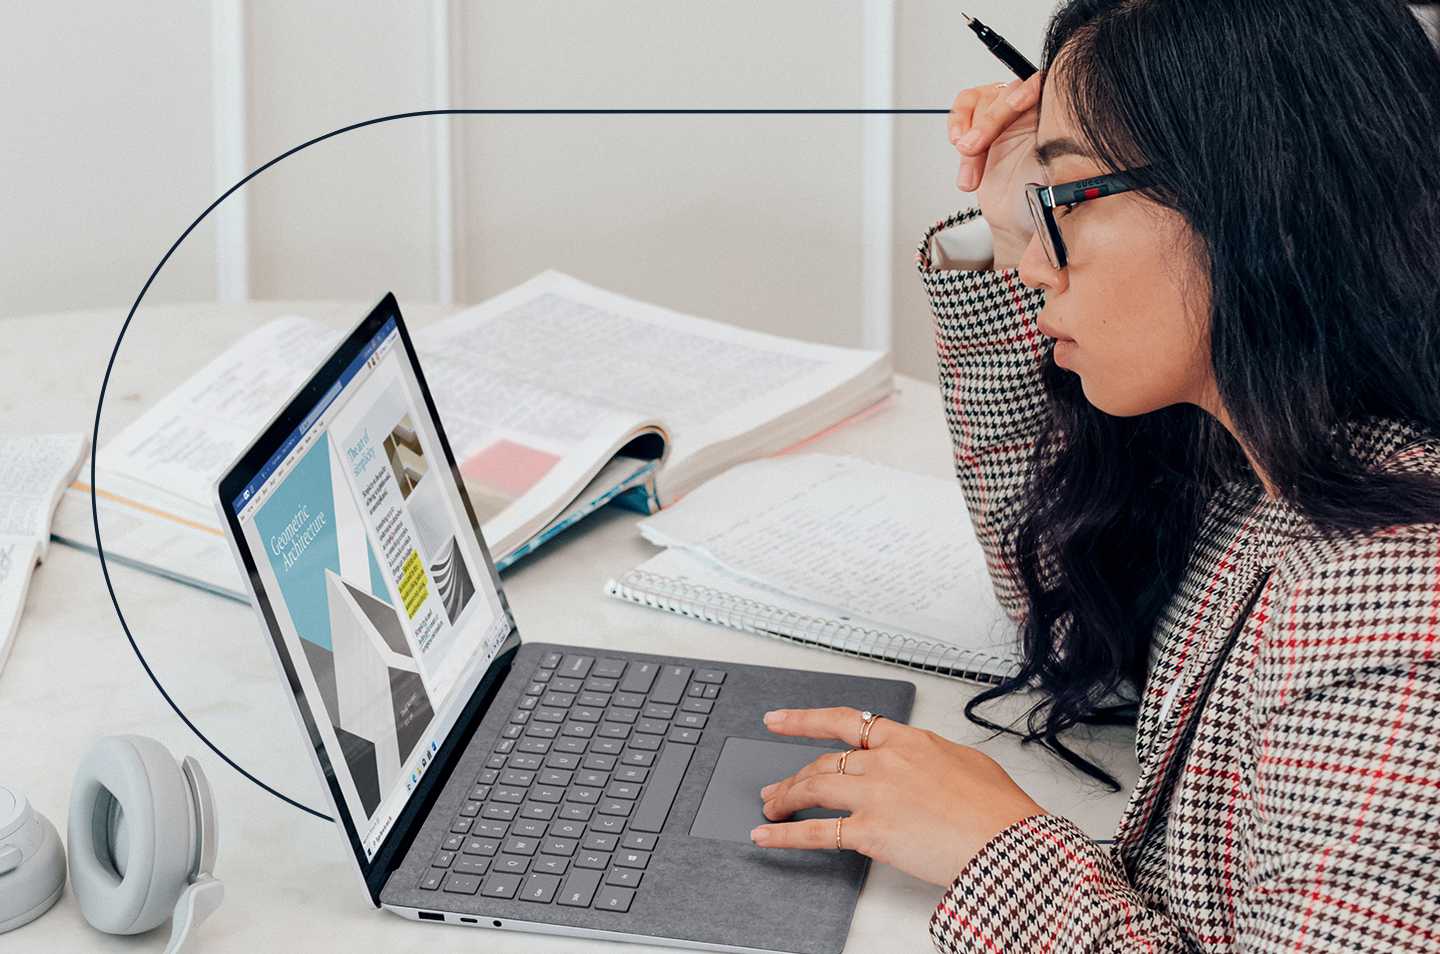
(868, 541)
(33, 473)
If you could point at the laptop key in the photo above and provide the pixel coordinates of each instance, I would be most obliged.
(586, 714)
(512, 731)
(639, 841)
(614, 730)
(581, 730)
(430, 881)
(495, 762)
(609, 668)
(688, 736)
(461, 883)
(655, 710)
(557, 700)
(522, 846)
(639, 676)
(576, 667)
(481, 846)
(524, 760)
(487, 776)
(576, 812)
(535, 689)
(624, 877)
(606, 825)
(499, 811)
(647, 742)
(517, 777)
(489, 829)
(560, 846)
(702, 706)
(579, 888)
(556, 777)
(615, 806)
(692, 720)
(628, 700)
(443, 859)
(512, 864)
(547, 714)
(710, 675)
(460, 826)
(528, 702)
(470, 865)
(550, 660)
(597, 762)
(570, 745)
(571, 686)
(550, 864)
(711, 691)
(501, 885)
(506, 793)
(627, 716)
(598, 841)
(612, 898)
(542, 675)
(696, 691)
(530, 828)
(541, 730)
(453, 842)
(538, 810)
(595, 700)
(585, 796)
(565, 828)
(607, 746)
(545, 793)
(631, 773)
(596, 684)
(632, 859)
(593, 859)
(504, 745)
(562, 760)
(478, 794)
(634, 758)
(670, 685)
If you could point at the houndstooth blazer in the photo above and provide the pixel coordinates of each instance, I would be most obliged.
(1306, 815)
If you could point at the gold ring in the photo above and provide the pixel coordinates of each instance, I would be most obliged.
(838, 823)
(869, 719)
(844, 756)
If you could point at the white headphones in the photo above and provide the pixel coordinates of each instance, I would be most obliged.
(142, 840)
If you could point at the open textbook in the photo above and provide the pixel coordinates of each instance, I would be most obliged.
(832, 552)
(33, 472)
(557, 397)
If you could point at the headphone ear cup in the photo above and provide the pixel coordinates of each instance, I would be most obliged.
(131, 834)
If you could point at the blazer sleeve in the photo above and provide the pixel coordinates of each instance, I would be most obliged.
(990, 353)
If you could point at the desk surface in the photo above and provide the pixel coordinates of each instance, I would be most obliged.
(72, 677)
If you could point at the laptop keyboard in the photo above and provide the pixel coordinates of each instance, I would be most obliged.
(570, 802)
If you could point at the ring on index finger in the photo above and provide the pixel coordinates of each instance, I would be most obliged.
(868, 720)
(844, 757)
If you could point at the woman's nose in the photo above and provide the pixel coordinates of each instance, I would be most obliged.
(1036, 270)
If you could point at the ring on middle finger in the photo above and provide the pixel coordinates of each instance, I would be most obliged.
(844, 757)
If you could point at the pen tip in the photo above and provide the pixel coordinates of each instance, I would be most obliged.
(968, 18)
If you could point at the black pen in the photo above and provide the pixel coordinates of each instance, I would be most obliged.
(1003, 51)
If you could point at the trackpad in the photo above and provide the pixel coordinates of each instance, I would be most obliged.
(732, 806)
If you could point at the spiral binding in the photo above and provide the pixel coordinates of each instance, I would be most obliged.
(710, 605)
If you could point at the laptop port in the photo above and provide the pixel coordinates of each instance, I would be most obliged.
(497, 923)
(468, 921)
(430, 916)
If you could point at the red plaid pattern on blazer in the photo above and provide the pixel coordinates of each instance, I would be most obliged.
(1306, 816)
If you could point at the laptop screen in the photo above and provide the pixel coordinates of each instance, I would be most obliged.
(370, 570)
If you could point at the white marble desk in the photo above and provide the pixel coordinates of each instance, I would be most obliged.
(72, 676)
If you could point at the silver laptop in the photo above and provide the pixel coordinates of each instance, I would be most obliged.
(483, 781)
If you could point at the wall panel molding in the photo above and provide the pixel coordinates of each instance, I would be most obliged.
(230, 121)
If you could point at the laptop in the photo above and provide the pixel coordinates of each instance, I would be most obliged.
(486, 781)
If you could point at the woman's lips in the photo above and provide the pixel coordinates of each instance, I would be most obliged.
(1049, 331)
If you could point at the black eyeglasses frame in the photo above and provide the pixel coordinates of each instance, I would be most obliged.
(1045, 199)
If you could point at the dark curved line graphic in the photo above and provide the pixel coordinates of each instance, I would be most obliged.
(119, 338)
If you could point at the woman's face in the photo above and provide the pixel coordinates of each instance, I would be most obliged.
(1130, 314)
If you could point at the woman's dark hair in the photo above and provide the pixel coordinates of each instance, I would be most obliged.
(1300, 140)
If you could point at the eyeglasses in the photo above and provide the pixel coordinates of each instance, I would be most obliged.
(1044, 199)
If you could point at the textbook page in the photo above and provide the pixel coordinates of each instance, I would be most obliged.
(33, 473)
(723, 393)
(523, 453)
(869, 541)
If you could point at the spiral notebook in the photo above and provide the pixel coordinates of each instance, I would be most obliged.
(835, 553)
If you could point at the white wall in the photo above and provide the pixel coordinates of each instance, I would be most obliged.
(782, 223)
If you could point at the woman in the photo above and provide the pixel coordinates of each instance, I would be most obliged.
(1197, 434)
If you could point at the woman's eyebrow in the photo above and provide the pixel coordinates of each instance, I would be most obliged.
(1047, 152)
